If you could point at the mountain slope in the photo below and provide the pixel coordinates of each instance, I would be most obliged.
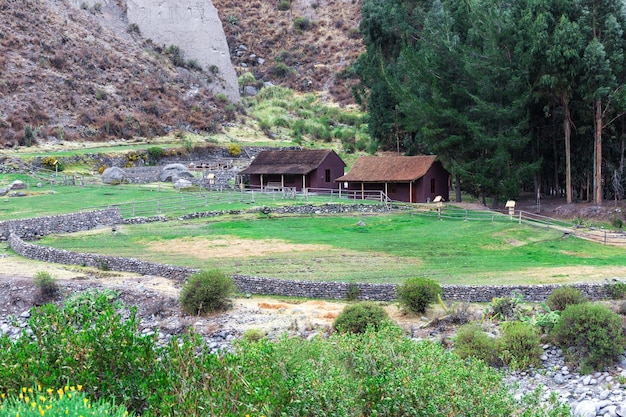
(308, 45)
(66, 74)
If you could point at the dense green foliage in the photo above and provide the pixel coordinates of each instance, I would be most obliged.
(356, 318)
(46, 284)
(519, 345)
(206, 292)
(375, 373)
(471, 341)
(565, 296)
(416, 294)
(617, 290)
(494, 89)
(594, 331)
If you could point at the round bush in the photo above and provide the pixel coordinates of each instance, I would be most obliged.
(594, 331)
(356, 318)
(519, 345)
(471, 341)
(47, 284)
(565, 296)
(416, 294)
(206, 292)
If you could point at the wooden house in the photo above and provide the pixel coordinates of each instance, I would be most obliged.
(414, 179)
(295, 169)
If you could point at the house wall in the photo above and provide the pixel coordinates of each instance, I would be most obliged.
(317, 178)
(423, 185)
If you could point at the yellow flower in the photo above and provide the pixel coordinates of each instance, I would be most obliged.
(30, 390)
(42, 398)
(79, 387)
(72, 388)
(38, 386)
(65, 388)
(49, 391)
(24, 390)
(33, 404)
(26, 399)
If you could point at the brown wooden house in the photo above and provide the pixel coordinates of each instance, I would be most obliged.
(298, 169)
(414, 179)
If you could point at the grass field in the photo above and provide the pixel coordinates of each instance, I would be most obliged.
(389, 248)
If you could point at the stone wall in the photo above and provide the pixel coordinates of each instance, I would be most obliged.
(66, 223)
(311, 289)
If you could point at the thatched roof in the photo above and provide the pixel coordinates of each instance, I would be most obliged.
(388, 168)
(288, 161)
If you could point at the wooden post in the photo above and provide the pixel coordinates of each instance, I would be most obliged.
(362, 191)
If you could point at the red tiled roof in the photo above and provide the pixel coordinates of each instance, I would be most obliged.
(287, 161)
(388, 168)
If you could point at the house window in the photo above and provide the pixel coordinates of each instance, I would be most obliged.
(327, 175)
(432, 185)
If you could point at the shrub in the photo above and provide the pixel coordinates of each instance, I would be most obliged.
(506, 307)
(519, 345)
(51, 163)
(253, 335)
(284, 5)
(280, 70)
(471, 341)
(565, 296)
(352, 292)
(233, 149)
(616, 290)
(206, 292)
(594, 331)
(47, 284)
(416, 294)
(155, 153)
(301, 23)
(356, 318)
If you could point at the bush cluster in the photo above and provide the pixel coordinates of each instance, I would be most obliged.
(593, 331)
(47, 285)
(356, 318)
(617, 290)
(517, 347)
(565, 296)
(416, 294)
(206, 292)
(375, 373)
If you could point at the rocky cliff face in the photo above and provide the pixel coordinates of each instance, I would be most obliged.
(195, 27)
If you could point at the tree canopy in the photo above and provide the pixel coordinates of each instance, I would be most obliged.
(509, 94)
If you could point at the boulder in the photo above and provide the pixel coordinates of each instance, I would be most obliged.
(4, 191)
(17, 185)
(182, 183)
(585, 409)
(174, 172)
(113, 175)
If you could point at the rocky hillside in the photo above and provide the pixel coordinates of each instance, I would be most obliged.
(307, 45)
(69, 73)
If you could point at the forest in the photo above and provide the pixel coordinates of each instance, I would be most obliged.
(510, 94)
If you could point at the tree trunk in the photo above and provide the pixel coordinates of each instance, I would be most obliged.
(457, 187)
(597, 135)
(567, 130)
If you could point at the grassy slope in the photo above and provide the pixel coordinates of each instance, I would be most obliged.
(389, 249)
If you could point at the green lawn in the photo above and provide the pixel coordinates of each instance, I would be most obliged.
(390, 248)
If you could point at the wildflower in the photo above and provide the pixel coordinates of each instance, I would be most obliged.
(79, 387)
(49, 391)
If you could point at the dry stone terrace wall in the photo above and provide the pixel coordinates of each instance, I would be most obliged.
(30, 229)
(309, 289)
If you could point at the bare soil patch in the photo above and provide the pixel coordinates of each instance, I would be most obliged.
(232, 247)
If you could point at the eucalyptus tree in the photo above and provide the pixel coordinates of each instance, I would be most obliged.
(602, 24)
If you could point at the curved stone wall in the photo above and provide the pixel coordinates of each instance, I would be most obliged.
(310, 289)
(30, 229)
